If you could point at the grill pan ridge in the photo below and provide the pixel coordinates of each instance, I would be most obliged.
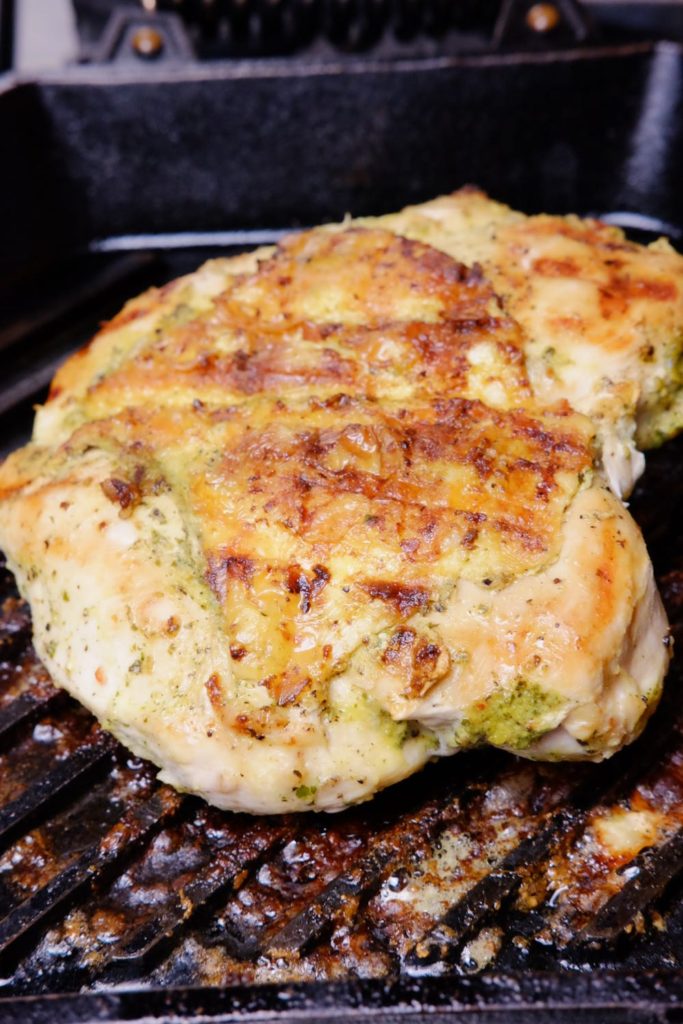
(477, 890)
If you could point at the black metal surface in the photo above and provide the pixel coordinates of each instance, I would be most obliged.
(105, 876)
(52, 785)
(22, 708)
(277, 146)
(389, 29)
(651, 998)
(214, 29)
(218, 877)
(41, 337)
(650, 873)
(135, 825)
(6, 34)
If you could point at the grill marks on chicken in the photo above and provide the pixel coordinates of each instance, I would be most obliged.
(359, 312)
(327, 531)
(602, 316)
(315, 513)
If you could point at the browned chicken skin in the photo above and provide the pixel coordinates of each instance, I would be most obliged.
(296, 523)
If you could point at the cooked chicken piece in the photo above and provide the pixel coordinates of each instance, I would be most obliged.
(603, 316)
(291, 528)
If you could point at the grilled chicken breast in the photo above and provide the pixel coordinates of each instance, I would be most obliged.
(297, 523)
(603, 316)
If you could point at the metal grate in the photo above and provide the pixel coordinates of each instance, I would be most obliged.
(238, 28)
(480, 862)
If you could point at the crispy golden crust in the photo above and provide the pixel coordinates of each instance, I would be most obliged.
(603, 316)
(363, 312)
(308, 506)
(392, 498)
(299, 483)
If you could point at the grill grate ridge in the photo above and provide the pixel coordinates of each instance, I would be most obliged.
(219, 876)
(134, 827)
(50, 786)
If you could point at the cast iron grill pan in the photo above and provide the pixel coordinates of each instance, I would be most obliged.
(477, 890)
(480, 885)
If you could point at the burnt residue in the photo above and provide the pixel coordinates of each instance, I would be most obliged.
(22, 676)
(225, 568)
(403, 598)
(127, 494)
(15, 627)
(307, 585)
(418, 659)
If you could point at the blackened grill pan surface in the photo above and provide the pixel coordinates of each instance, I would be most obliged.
(102, 152)
(479, 889)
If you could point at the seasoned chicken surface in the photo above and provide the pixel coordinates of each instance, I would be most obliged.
(295, 524)
(603, 316)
